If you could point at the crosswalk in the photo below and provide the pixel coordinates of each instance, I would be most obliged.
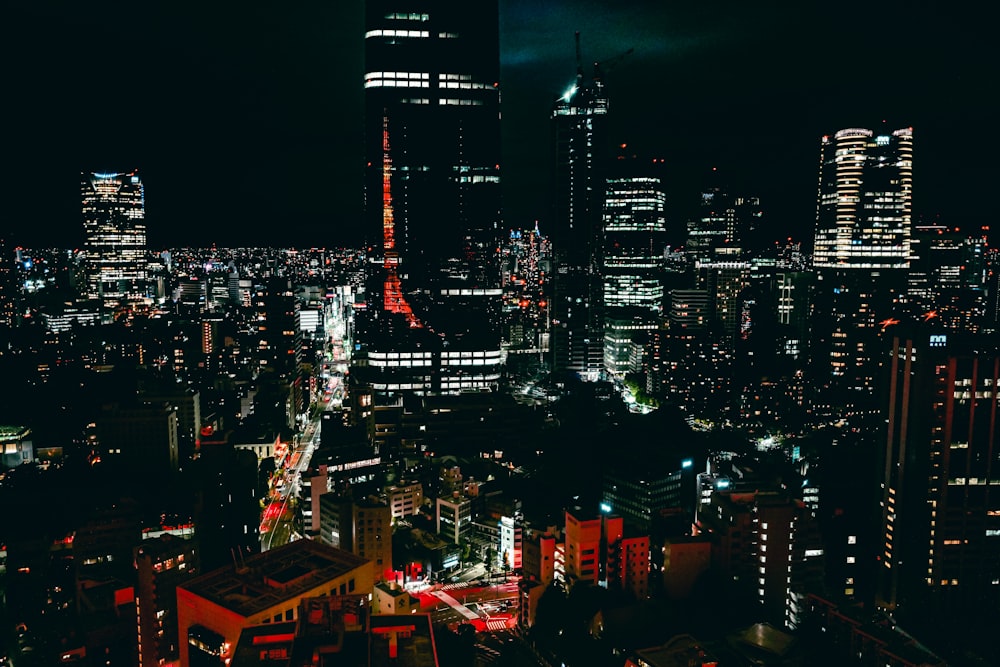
(460, 584)
(456, 605)
(497, 624)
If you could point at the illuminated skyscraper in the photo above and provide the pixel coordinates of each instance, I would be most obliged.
(861, 254)
(115, 245)
(433, 197)
(865, 200)
(8, 291)
(633, 272)
(579, 120)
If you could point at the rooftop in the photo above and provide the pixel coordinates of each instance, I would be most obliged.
(339, 631)
(274, 577)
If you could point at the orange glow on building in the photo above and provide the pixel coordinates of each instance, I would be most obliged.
(394, 301)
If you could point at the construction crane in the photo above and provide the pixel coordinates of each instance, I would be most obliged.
(606, 65)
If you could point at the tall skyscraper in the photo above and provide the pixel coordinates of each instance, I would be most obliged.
(579, 120)
(432, 98)
(8, 291)
(861, 254)
(865, 200)
(940, 528)
(115, 244)
(633, 265)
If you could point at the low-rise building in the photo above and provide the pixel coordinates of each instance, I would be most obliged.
(214, 608)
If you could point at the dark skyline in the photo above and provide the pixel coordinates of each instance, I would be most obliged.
(245, 118)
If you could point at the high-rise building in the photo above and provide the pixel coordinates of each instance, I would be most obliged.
(940, 527)
(8, 289)
(633, 264)
(865, 200)
(861, 254)
(432, 97)
(362, 526)
(115, 244)
(948, 276)
(161, 565)
(715, 227)
(579, 120)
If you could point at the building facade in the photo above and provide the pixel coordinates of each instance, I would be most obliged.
(633, 265)
(115, 238)
(432, 96)
(940, 524)
(214, 608)
(579, 120)
(861, 255)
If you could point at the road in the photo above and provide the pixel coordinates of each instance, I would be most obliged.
(277, 519)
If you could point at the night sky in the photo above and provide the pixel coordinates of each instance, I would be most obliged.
(244, 117)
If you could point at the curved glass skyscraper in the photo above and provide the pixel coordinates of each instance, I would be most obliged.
(865, 200)
(861, 254)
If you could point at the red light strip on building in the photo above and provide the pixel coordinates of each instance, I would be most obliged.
(392, 291)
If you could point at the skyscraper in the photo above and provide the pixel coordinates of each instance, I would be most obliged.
(115, 245)
(861, 254)
(633, 272)
(940, 522)
(579, 120)
(865, 200)
(432, 197)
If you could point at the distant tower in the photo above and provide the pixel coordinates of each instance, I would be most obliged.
(8, 291)
(865, 200)
(115, 244)
(861, 254)
(579, 121)
(633, 265)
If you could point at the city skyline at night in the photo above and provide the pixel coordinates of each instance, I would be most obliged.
(256, 99)
(429, 333)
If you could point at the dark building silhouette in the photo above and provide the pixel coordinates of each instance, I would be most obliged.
(432, 132)
(579, 131)
(940, 523)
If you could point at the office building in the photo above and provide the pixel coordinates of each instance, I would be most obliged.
(725, 283)
(115, 238)
(9, 292)
(861, 254)
(579, 123)
(161, 565)
(948, 276)
(863, 218)
(214, 608)
(940, 527)
(405, 499)
(432, 97)
(638, 494)
(632, 266)
(453, 520)
(634, 243)
(763, 541)
(143, 437)
(714, 230)
(363, 527)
